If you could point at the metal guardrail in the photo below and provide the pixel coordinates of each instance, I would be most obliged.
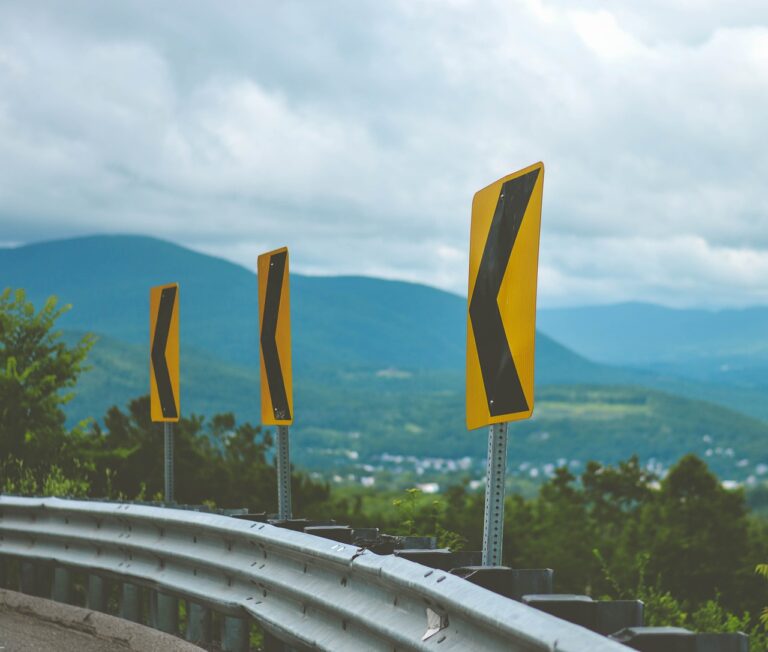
(306, 591)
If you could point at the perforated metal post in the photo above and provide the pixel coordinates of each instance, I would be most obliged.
(168, 433)
(283, 474)
(493, 521)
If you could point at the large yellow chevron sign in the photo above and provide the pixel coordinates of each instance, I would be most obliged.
(164, 352)
(275, 339)
(501, 321)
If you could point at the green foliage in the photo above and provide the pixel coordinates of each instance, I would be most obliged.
(408, 508)
(424, 516)
(21, 480)
(762, 571)
(36, 369)
(217, 461)
(696, 534)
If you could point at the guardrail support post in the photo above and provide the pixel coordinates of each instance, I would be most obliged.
(62, 585)
(27, 578)
(166, 613)
(97, 595)
(35, 579)
(235, 635)
(198, 624)
(130, 603)
(273, 644)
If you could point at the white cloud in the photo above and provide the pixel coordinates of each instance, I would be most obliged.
(358, 132)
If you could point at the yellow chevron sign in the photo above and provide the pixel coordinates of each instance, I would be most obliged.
(275, 339)
(501, 309)
(164, 352)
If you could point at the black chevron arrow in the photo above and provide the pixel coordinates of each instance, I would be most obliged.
(159, 364)
(268, 331)
(502, 383)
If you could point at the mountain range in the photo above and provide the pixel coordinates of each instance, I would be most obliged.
(378, 365)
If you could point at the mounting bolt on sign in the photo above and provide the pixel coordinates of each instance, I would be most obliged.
(501, 325)
(164, 369)
(275, 362)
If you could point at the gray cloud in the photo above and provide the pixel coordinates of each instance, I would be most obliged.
(357, 133)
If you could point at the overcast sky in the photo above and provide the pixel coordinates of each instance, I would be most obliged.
(357, 132)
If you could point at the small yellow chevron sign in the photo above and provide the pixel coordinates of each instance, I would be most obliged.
(501, 310)
(275, 339)
(164, 352)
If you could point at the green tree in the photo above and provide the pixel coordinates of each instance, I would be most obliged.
(560, 534)
(36, 369)
(614, 499)
(216, 461)
(762, 571)
(696, 533)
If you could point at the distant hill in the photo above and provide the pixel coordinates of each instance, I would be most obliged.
(422, 414)
(337, 322)
(695, 342)
(378, 365)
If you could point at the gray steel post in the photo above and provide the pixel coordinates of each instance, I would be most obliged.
(273, 644)
(495, 475)
(168, 432)
(96, 597)
(235, 635)
(34, 579)
(166, 617)
(62, 585)
(198, 624)
(283, 474)
(27, 578)
(130, 603)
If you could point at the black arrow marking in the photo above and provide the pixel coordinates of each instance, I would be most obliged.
(268, 332)
(159, 363)
(502, 383)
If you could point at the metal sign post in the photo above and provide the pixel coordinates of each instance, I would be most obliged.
(495, 475)
(283, 474)
(501, 326)
(168, 461)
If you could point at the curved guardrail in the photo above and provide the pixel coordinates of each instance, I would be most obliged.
(308, 592)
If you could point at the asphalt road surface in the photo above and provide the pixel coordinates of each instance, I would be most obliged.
(30, 624)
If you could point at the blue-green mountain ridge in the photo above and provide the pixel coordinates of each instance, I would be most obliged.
(378, 365)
